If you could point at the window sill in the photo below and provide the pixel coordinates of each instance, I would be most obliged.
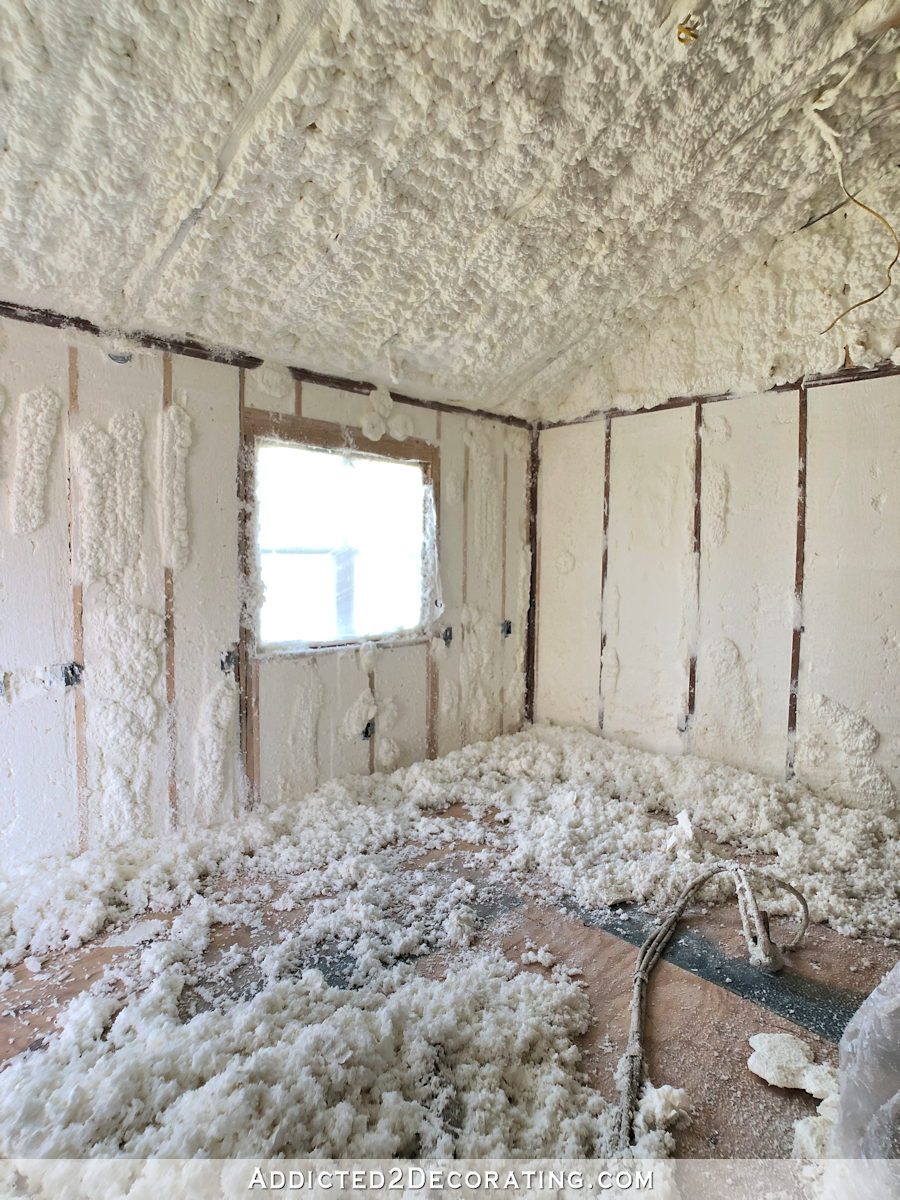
(415, 637)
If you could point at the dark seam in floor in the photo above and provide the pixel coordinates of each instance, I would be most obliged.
(818, 1007)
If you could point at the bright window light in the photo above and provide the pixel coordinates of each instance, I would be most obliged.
(341, 544)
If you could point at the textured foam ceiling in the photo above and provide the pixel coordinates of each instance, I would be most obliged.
(467, 200)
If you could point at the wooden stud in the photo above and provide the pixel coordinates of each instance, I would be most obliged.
(531, 626)
(248, 675)
(799, 566)
(186, 346)
(80, 715)
(481, 413)
(503, 603)
(465, 562)
(604, 561)
(432, 681)
(698, 476)
(73, 381)
(81, 774)
(372, 735)
(432, 670)
(169, 591)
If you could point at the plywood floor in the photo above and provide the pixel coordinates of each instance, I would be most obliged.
(697, 1028)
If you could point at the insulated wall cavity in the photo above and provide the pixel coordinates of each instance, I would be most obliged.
(848, 723)
(205, 594)
(570, 560)
(121, 590)
(649, 606)
(483, 613)
(38, 802)
(448, 644)
(516, 574)
(400, 726)
(747, 560)
(119, 564)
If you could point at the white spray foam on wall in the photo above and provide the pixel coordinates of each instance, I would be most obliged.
(379, 417)
(736, 716)
(388, 722)
(274, 380)
(358, 715)
(121, 679)
(124, 716)
(373, 426)
(716, 502)
(213, 745)
(859, 781)
(480, 663)
(127, 432)
(36, 422)
(300, 766)
(108, 467)
(175, 444)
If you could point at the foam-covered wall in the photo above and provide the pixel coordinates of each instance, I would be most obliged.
(705, 631)
(119, 554)
(570, 555)
(848, 723)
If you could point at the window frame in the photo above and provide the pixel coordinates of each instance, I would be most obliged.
(259, 425)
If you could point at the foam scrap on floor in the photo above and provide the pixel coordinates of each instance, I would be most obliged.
(327, 1039)
(593, 818)
(783, 1060)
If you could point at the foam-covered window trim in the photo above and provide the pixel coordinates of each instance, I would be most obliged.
(258, 425)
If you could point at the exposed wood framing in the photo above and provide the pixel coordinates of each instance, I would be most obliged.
(236, 358)
(432, 672)
(604, 561)
(247, 676)
(799, 565)
(80, 718)
(501, 698)
(333, 381)
(698, 483)
(823, 379)
(442, 406)
(432, 694)
(326, 435)
(80, 714)
(169, 591)
(534, 458)
(374, 726)
(844, 375)
(465, 517)
(187, 346)
(259, 424)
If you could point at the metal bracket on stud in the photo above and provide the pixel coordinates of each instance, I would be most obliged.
(447, 635)
(506, 628)
(369, 732)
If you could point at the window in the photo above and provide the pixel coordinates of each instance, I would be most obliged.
(345, 545)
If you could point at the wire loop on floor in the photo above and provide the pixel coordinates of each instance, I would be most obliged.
(762, 951)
